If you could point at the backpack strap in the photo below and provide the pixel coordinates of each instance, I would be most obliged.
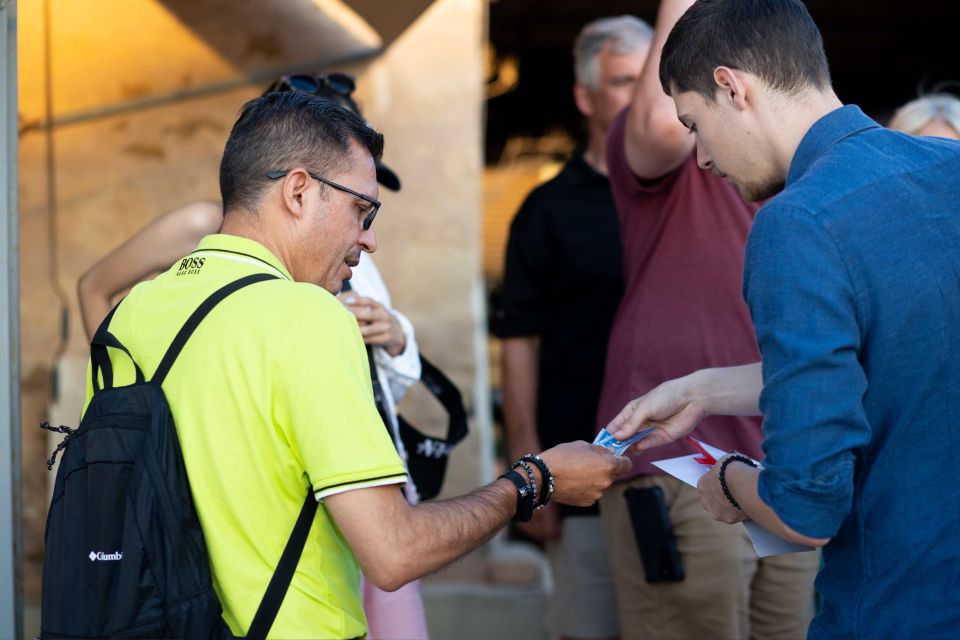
(379, 397)
(197, 316)
(99, 357)
(283, 574)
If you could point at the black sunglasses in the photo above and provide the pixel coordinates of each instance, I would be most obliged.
(374, 204)
(339, 83)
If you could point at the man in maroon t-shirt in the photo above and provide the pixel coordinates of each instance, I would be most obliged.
(684, 232)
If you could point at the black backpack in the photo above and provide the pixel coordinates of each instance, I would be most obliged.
(125, 555)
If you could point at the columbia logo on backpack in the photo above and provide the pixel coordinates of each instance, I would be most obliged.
(122, 486)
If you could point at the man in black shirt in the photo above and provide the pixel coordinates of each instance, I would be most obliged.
(561, 288)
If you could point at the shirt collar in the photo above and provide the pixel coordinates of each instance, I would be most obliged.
(580, 171)
(242, 246)
(826, 132)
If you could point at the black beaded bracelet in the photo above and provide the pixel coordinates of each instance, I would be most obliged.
(530, 477)
(722, 475)
(547, 479)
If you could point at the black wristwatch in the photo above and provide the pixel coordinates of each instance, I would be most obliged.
(525, 496)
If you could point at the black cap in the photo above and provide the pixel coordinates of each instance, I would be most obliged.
(387, 177)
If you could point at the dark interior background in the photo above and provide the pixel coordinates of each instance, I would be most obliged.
(881, 52)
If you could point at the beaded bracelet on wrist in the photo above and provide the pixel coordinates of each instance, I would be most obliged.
(547, 479)
(532, 478)
(722, 475)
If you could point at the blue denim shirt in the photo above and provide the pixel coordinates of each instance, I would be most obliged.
(852, 276)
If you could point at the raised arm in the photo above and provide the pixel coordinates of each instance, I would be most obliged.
(154, 248)
(396, 543)
(656, 142)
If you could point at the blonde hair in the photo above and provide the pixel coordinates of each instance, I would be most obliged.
(917, 114)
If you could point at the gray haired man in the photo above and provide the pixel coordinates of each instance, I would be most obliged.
(562, 285)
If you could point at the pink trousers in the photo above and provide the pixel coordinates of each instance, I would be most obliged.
(398, 615)
(394, 616)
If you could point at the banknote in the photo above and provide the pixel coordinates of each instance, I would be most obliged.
(605, 439)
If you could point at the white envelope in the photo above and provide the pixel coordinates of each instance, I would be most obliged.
(688, 470)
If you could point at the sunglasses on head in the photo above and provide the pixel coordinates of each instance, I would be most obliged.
(339, 83)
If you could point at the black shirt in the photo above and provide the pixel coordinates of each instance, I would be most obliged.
(563, 283)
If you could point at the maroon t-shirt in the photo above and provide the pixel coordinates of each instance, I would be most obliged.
(683, 244)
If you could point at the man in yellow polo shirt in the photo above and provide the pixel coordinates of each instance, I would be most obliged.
(271, 393)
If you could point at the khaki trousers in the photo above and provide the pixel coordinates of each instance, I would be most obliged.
(728, 592)
(584, 600)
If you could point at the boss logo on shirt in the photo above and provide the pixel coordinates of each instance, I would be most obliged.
(190, 266)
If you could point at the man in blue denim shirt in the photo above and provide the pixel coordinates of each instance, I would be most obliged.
(853, 281)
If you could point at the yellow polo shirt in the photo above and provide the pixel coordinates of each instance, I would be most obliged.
(271, 393)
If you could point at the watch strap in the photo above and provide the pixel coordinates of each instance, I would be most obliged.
(525, 496)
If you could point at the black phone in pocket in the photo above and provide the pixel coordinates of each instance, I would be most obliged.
(654, 533)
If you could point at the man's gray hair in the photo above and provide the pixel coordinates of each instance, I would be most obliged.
(917, 114)
(623, 34)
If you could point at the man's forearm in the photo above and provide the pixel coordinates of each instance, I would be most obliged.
(443, 531)
(727, 391)
(420, 540)
(519, 373)
(742, 482)
(396, 543)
